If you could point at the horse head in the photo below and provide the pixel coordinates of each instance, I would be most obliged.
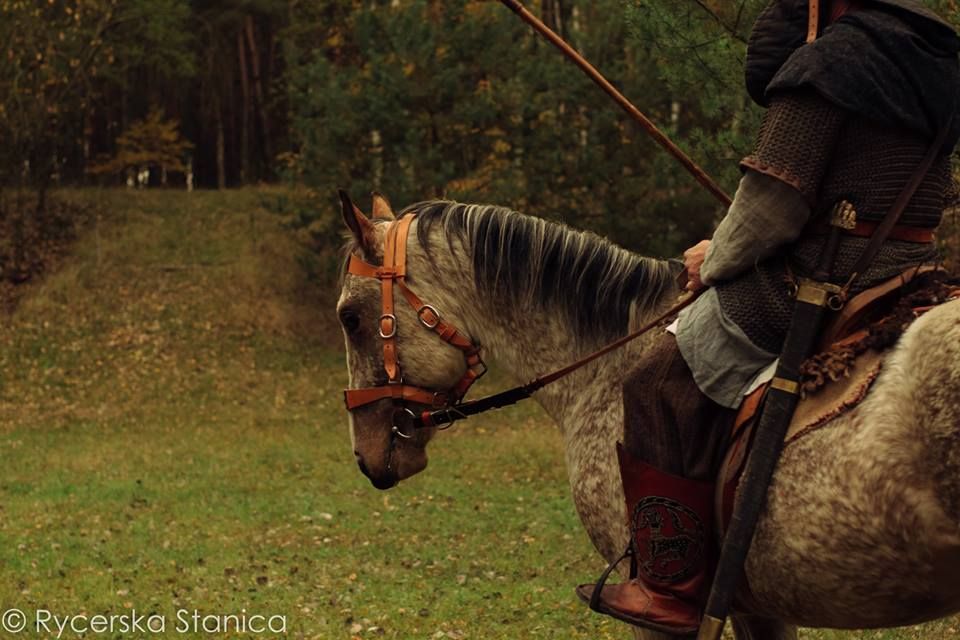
(397, 366)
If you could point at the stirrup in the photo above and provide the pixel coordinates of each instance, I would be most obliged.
(598, 587)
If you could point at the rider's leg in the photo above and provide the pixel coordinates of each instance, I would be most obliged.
(673, 443)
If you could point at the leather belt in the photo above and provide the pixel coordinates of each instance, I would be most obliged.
(902, 232)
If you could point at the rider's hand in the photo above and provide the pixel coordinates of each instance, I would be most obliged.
(693, 260)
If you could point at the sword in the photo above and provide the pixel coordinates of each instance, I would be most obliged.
(814, 296)
(645, 123)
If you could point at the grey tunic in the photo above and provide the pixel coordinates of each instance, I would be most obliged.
(766, 216)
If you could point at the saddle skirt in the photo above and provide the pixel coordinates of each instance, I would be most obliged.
(838, 378)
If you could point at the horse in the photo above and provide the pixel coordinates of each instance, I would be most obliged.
(862, 523)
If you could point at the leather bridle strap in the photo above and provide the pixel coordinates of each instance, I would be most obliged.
(401, 392)
(430, 318)
(394, 261)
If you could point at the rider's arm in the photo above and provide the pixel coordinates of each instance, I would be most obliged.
(779, 189)
(765, 215)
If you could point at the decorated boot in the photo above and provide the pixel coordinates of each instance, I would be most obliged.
(670, 552)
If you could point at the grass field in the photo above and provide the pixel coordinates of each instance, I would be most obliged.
(173, 438)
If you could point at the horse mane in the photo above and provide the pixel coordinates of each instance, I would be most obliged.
(531, 261)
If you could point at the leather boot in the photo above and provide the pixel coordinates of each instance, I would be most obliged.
(670, 551)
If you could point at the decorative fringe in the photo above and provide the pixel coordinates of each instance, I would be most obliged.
(837, 361)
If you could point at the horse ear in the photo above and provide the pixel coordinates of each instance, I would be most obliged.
(359, 224)
(381, 207)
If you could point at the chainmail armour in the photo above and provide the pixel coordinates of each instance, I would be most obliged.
(796, 141)
(828, 154)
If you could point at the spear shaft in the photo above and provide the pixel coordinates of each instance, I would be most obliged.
(658, 136)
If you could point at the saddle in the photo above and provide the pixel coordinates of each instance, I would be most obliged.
(839, 377)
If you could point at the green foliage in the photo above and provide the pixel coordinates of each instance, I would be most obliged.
(50, 51)
(152, 141)
(151, 37)
(416, 98)
(699, 50)
(460, 99)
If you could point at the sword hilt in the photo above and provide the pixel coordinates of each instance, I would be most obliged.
(842, 218)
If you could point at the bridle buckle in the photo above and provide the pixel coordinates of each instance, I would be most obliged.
(392, 331)
(424, 319)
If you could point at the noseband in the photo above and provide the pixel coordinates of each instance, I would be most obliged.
(393, 275)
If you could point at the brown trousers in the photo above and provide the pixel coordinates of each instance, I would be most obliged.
(668, 422)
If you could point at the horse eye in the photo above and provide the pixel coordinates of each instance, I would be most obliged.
(350, 320)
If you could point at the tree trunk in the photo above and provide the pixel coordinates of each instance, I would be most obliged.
(258, 88)
(376, 150)
(554, 16)
(221, 169)
(245, 115)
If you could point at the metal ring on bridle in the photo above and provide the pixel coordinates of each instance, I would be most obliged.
(393, 326)
(436, 315)
(458, 415)
(410, 415)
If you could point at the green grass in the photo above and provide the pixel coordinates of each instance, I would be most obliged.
(173, 437)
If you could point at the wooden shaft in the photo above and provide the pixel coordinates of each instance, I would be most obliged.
(659, 137)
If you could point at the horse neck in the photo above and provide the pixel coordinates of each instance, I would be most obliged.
(527, 341)
(530, 343)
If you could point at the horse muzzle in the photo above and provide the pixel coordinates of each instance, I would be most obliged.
(383, 482)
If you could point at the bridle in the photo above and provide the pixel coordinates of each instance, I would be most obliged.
(445, 407)
(392, 275)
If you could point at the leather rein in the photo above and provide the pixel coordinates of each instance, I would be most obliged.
(444, 407)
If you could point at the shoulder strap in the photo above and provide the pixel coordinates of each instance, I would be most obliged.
(813, 20)
(896, 211)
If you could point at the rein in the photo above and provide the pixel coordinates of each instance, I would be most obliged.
(514, 395)
(445, 406)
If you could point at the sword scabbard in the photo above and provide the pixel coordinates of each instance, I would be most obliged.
(814, 297)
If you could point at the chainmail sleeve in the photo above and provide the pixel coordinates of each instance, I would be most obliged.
(796, 141)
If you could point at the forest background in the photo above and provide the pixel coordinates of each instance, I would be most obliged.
(413, 98)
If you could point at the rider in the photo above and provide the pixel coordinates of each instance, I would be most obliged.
(851, 110)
